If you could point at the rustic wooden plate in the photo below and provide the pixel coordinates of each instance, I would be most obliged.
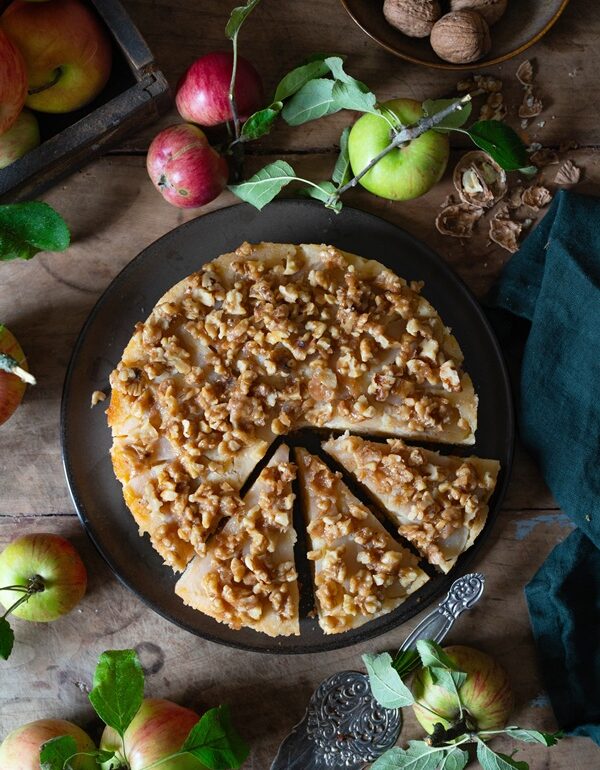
(524, 23)
(130, 297)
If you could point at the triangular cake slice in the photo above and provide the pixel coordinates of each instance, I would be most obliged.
(247, 575)
(360, 572)
(438, 502)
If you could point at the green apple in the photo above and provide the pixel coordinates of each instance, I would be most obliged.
(52, 565)
(486, 693)
(21, 137)
(20, 750)
(405, 172)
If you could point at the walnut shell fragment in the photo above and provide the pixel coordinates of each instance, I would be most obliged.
(414, 18)
(544, 157)
(536, 197)
(525, 73)
(504, 231)
(568, 174)
(491, 10)
(458, 220)
(461, 37)
(479, 180)
(531, 106)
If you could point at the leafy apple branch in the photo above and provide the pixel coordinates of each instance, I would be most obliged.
(442, 749)
(34, 584)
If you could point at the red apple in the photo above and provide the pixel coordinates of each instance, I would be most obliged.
(55, 564)
(20, 749)
(21, 137)
(184, 168)
(203, 91)
(158, 729)
(486, 694)
(66, 51)
(13, 82)
(13, 372)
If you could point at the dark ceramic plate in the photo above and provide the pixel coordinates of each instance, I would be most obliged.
(524, 23)
(130, 298)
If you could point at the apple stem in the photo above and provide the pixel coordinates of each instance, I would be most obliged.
(407, 134)
(234, 112)
(10, 365)
(441, 735)
(46, 86)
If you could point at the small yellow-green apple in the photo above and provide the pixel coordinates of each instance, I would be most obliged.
(20, 750)
(22, 136)
(405, 172)
(13, 82)
(14, 373)
(486, 693)
(56, 567)
(66, 50)
(158, 730)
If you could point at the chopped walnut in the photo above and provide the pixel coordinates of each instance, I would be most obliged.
(536, 197)
(97, 397)
(504, 231)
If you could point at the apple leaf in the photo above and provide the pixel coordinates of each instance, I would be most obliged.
(261, 188)
(325, 192)
(341, 171)
(215, 742)
(386, 685)
(56, 753)
(118, 688)
(489, 760)
(406, 661)
(261, 122)
(454, 120)
(501, 143)
(455, 759)
(449, 680)
(432, 655)
(418, 756)
(7, 639)
(238, 16)
(314, 100)
(298, 77)
(26, 228)
(349, 96)
(533, 736)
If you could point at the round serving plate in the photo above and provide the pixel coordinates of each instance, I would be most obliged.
(524, 23)
(131, 296)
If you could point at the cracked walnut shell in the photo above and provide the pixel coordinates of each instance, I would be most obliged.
(479, 180)
(414, 18)
(461, 37)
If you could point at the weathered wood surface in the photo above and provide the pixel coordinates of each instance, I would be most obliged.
(114, 212)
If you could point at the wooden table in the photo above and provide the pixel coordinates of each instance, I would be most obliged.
(114, 212)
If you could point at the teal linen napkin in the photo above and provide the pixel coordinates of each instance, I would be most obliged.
(554, 283)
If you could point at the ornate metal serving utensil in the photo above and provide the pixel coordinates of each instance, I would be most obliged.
(344, 726)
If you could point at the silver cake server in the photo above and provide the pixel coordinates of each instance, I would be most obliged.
(344, 726)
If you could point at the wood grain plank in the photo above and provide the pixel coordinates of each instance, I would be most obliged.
(50, 670)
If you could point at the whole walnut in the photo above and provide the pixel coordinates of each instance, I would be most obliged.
(491, 10)
(461, 37)
(413, 17)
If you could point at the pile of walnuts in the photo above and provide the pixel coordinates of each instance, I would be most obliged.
(460, 36)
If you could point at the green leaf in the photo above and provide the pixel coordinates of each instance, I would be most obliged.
(215, 742)
(118, 688)
(455, 119)
(26, 228)
(342, 172)
(261, 188)
(336, 66)
(406, 661)
(456, 759)
(489, 760)
(7, 639)
(314, 100)
(418, 756)
(238, 17)
(326, 192)
(294, 80)
(449, 680)
(432, 655)
(261, 122)
(387, 687)
(348, 96)
(533, 736)
(501, 143)
(55, 753)
(103, 755)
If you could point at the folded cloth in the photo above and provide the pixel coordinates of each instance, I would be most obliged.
(554, 283)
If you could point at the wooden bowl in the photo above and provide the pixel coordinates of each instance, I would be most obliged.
(524, 23)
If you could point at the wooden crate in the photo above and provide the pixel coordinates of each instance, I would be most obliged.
(136, 94)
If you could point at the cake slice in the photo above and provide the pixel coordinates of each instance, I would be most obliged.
(360, 572)
(438, 502)
(247, 575)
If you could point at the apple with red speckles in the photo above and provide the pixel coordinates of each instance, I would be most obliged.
(184, 168)
(202, 94)
(13, 82)
(21, 137)
(14, 374)
(486, 694)
(20, 750)
(158, 730)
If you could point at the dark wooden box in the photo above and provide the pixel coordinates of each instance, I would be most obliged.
(136, 94)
